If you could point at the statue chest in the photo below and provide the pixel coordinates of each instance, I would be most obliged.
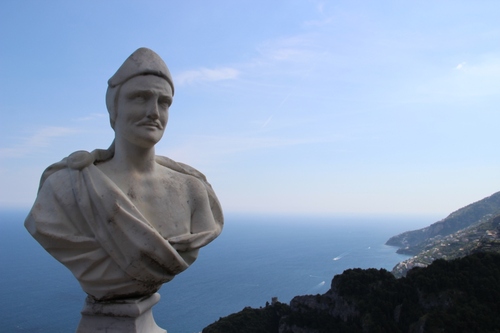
(164, 205)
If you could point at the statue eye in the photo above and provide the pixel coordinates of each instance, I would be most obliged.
(164, 102)
(139, 97)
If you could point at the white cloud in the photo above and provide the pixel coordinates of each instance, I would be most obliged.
(480, 77)
(300, 48)
(43, 136)
(40, 138)
(204, 149)
(289, 56)
(206, 75)
(92, 116)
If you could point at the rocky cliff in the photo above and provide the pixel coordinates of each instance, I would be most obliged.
(414, 242)
(447, 296)
(482, 237)
(439, 295)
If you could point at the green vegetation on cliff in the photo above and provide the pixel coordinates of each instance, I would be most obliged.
(454, 286)
(413, 242)
(482, 237)
(251, 320)
(447, 296)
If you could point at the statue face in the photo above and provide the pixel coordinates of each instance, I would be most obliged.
(142, 110)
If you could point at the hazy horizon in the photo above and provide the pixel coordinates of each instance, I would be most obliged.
(405, 222)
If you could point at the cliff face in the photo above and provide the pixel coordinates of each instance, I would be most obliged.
(482, 237)
(459, 295)
(342, 307)
(448, 296)
(413, 242)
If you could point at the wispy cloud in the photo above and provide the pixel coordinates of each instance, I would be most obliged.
(277, 109)
(479, 77)
(320, 6)
(40, 138)
(276, 55)
(238, 144)
(212, 148)
(206, 75)
(300, 48)
(92, 116)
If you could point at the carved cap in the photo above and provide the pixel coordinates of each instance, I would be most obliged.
(142, 62)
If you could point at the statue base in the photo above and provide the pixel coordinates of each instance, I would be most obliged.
(123, 316)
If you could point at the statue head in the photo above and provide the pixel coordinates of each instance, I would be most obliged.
(142, 62)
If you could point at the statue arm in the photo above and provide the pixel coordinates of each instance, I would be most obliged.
(58, 227)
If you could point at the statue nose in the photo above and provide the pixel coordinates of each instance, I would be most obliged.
(153, 111)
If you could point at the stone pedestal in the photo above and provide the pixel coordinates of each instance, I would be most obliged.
(123, 316)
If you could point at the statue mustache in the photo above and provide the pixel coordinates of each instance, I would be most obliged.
(150, 123)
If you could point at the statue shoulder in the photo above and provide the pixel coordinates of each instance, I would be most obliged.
(200, 187)
(56, 186)
(76, 161)
(180, 167)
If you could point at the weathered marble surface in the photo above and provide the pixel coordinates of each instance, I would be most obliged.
(127, 316)
(125, 220)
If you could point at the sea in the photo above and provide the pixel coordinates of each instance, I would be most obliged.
(256, 257)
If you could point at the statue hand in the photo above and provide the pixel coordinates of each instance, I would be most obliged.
(189, 242)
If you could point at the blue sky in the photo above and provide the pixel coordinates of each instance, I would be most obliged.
(327, 107)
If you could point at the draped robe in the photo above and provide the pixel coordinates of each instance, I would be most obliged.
(84, 220)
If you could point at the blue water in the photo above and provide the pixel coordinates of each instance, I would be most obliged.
(255, 258)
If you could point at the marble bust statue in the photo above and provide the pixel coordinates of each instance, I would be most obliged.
(123, 219)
